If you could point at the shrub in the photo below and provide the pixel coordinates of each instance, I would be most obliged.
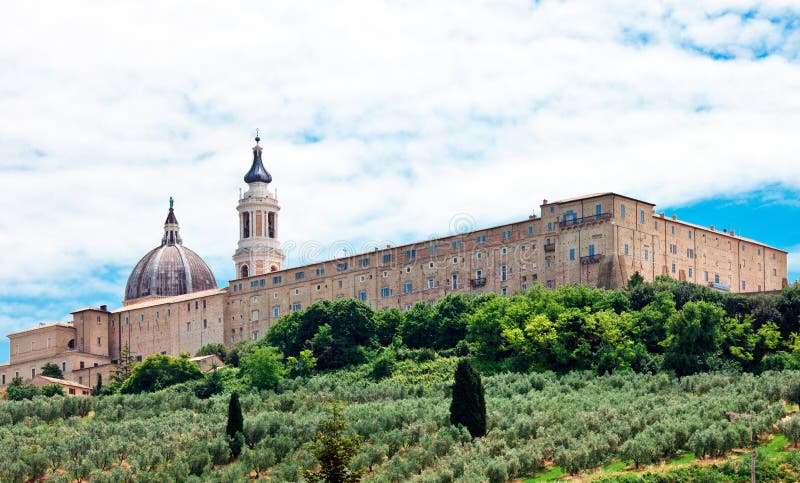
(51, 390)
(235, 425)
(468, 406)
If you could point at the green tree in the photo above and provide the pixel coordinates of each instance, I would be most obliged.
(98, 388)
(235, 427)
(693, 338)
(17, 391)
(122, 371)
(468, 406)
(386, 324)
(159, 372)
(210, 385)
(52, 370)
(51, 390)
(215, 349)
(334, 451)
(790, 427)
(303, 365)
(263, 367)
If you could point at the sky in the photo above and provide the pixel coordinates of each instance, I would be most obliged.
(381, 121)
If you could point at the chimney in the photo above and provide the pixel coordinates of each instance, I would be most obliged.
(661, 214)
(733, 233)
(104, 308)
(724, 230)
(674, 217)
(544, 202)
(712, 227)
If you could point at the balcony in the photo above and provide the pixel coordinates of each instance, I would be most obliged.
(477, 282)
(720, 286)
(586, 219)
(549, 247)
(591, 259)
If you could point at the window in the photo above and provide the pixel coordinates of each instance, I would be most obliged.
(548, 263)
(63, 366)
(385, 273)
(549, 226)
(388, 258)
(158, 314)
(318, 287)
(254, 299)
(297, 291)
(361, 278)
(673, 249)
(4, 379)
(716, 278)
(743, 247)
(433, 249)
(205, 323)
(276, 279)
(320, 271)
(598, 209)
(276, 311)
(530, 229)
(99, 341)
(341, 266)
(411, 253)
(705, 276)
(552, 209)
(340, 283)
(142, 317)
(690, 253)
(255, 334)
(455, 281)
(774, 271)
(364, 262)
(253, 284)
(188, 326)
(646, 254)
(33, 372)
(758, 251)
(455, 260)
(385, 292)
(622, 210)
(641, 217)
(504, 291)
(254, 315)
(503, 273)
(430, 265)
(506, 235)
(408, 269)
(673, 268)
(275, 295)
(479, 255)
(299, 275)
(362, 295)
(431, 283)
(457, 245)
(480, 239)
(524, 286)
(572, 254)
(295, 306)
(655, 225)
(773, 256)
(408, 287)
(744, 285)
(504, 251)
(691, 272)
(689, 233)
(261, 283)
(625, 249)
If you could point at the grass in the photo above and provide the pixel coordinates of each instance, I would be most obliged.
(552, 474)
(617, 466)
(686, 458)
(774, 446)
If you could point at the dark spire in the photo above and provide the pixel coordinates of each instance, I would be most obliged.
(257, 171)
(171, 228)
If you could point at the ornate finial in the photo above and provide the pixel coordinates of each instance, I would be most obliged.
(171, 202)
(257, 137)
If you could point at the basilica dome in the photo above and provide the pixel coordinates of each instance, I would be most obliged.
(169, 269)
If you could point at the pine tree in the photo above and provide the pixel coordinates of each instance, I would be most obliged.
(235, 428)
(334, 451)
(123, 370)
(468, 406)
(52, 370)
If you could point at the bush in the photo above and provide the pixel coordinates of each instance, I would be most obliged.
(468, 406)
(51, 390)
(159, 372)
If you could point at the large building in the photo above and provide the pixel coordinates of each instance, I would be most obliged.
(172, 303)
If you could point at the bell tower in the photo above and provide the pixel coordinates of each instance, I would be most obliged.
(258, 251)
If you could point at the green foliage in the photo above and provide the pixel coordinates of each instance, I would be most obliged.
(790, 427)
(124, 368)
(210, 385)
(17, 391)
(383, 366)
(51, 390)
(263, 367)
(468, 406)
(235, 427)
(303, 365)
(693, 338)
(159, 372)
(334, 451)
(216, 349)
(51, 369)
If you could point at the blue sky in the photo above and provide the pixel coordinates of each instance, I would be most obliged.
(382, 122)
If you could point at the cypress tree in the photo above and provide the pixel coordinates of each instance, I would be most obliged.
(468, 406)
(235, 428)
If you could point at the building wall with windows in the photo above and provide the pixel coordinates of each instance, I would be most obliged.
(599, 239)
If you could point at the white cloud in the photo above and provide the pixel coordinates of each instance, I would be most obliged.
(422, 111)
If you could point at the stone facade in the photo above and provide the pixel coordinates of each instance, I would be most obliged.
(599, 240)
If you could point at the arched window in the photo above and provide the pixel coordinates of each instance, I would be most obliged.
(245, 225)
(273, 268)
(245, 271)
(71, 344)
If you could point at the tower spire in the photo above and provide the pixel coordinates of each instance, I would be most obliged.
(172, 229)
(257, 173)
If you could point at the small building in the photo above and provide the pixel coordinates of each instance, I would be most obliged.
(207, 363)
(71, 388)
